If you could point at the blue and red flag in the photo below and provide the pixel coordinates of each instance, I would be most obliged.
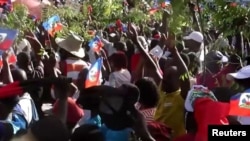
(53, 25)
(240, 104)
(7, 37)
(165, 3)
(96, 44)
(94, 74)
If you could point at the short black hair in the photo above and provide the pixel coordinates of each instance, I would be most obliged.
(23, 58)
(149, 94)
(87, 132)
(119, 59)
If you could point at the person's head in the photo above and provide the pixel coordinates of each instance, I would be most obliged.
(120, 46)
(47, 129)
(242, 77)
(194, 41)
(214, 61)
(118, 61)
(87, 132)
(23, 60)
(194, 63)
(71, 46)
(149, 94)
(7, 105)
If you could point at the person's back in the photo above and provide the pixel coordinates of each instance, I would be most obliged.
(73, 66)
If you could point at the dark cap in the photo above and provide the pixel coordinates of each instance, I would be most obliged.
(215, 56)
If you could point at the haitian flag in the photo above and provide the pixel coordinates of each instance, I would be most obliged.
(94, 74)
(165, 3)
(96, 44)
(53, 25)
(7, 37)
(240, 104)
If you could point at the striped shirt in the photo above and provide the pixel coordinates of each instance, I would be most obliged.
(74, 67)
(148, 114)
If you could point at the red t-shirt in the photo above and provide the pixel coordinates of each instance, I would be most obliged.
(74, 111)
(134, 61)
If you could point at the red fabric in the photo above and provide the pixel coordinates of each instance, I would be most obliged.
(186, 137)
(134, 61)
(159, 131)
(206, 115)
(74, 111)
(10, 90)
(235, 109)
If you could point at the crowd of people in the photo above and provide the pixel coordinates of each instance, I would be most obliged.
(157, 87)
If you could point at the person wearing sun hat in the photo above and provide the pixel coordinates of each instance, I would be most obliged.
(71, 64)
(71, 54)
(242, 78)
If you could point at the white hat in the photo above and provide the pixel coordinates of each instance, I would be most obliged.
(72, 44)
(243, 73)
(196, 36)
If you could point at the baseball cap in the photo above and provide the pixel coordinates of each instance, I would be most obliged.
(195, 35)
(243, 73)
(214, 56)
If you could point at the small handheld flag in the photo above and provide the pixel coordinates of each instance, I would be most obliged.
(12, 58)
(53, 25)
(165, 3)
(156, 52)
(94, 74)
(96, 44)
(7, 37)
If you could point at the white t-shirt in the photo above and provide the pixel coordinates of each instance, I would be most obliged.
(117, 78)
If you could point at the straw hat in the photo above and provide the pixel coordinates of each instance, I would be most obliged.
(72, 44)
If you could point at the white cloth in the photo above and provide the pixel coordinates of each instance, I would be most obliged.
(26, 105)
(117, 78)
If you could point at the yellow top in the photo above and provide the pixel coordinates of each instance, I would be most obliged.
(170, 111)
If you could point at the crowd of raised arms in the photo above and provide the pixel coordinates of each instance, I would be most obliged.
(123, 85)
